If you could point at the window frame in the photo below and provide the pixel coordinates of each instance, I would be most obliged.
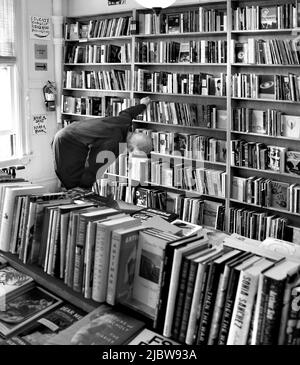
(19, 91)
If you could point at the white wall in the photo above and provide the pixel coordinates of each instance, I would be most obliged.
(39, 164)
(90, 7)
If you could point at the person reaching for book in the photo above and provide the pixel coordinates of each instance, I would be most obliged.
(82, 148)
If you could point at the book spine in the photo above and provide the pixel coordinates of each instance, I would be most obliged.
(100, 264)
(79, 255)
(240, 321)
(113, 268)
(208, 304)
(228, 307)
(270, 330)
(181, 292)
(188, 301)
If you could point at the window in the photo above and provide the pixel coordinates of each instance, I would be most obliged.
(10, 136)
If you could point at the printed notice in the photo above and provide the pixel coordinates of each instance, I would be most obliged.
(39, 124)
(40, 27)
(41, 51)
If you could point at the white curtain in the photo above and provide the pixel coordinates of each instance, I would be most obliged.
(7, 33)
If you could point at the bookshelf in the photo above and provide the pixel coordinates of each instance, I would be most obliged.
(233, 43)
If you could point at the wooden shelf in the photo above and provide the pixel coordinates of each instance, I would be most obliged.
(82, 115)
(49, 282)
(187, 159)
(198, 128)
(266, 136)
(97, 64)
(86, 40)
(280, 211)
(189, 64)
(178, 35)
(267, 100)
(296, 66)
(263, 31)
(269, 172)
(182, 95)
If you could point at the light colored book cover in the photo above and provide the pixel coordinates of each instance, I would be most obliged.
(290, 126)
(148, 337)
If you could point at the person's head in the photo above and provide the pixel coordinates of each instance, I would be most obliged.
(139, 142)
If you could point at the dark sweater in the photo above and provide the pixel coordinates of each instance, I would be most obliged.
(77, 146)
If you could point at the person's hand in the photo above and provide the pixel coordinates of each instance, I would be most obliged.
(146, 101)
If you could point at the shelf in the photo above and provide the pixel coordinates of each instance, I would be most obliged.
(263, 31)
(98, 91)
(82, 115)
(51, 283)
(97, 64)
(190, 64)
(184, 95)
(264, 65)
(281, 211)
(266, 136)
(181, 126)
(188, 159)
(269, 172)
(267, 100)
(86, 40)
(178, 35)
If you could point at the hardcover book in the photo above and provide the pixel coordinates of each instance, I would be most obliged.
(268, 17)
(173, 23)
(290, 126)
(266, 87)
(293, 162)
(102, 326)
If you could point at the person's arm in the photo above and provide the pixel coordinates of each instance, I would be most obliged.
(134, 111)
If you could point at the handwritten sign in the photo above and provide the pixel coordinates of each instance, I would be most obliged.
(40, 28)
(39, 124)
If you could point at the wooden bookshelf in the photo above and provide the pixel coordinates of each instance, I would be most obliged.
(154, 33)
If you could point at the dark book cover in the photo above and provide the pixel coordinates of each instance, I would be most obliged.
(268, 17)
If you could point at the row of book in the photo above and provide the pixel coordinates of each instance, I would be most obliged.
(180, 83)
(190, 115)
(269, 122)
(257, 225)
(266, 52)
(98, 80)
(264, 157)
(191, 146)
(198, 20)
(189, 209)
(256, 17)
(89, 106)
(266, 193)
(278, 87)
(104, 53)
(99, 28)
(202, 51)
(245, 291)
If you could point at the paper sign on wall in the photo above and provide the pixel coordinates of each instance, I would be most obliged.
(39, 124)
(41, 51)
(40, 27)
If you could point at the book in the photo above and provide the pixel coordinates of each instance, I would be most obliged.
(25, 308)
(290, 126)
(148, 271)
(124, 244)
(186, 228)
(266, 87)
(148, 337)
(268, 17)
(194, 246)
(102, 253)
(49, 325)
(184, 52)
(244, 302)
(293, 162)
(103, 326)
(12, 282)
(7, 210)
(173, 23)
